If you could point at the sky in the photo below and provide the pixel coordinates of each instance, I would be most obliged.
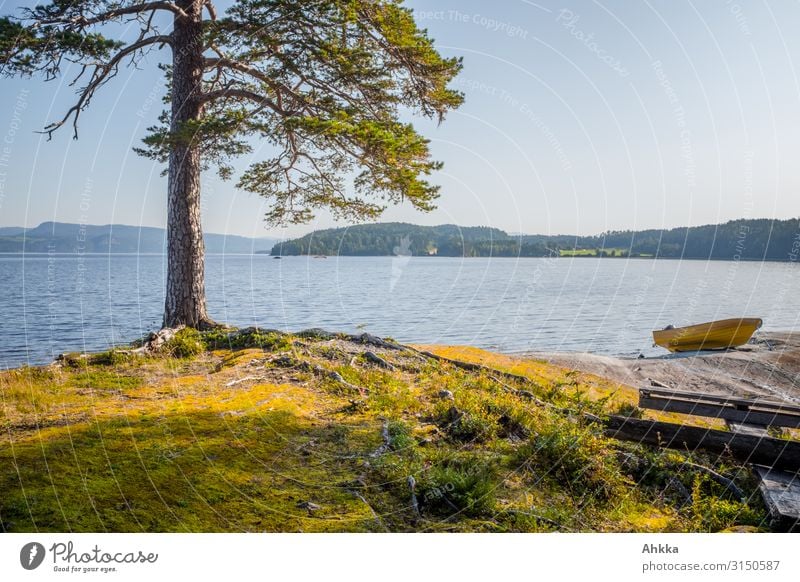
(580, 117)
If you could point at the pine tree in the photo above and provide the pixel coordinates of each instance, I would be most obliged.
(324, 83)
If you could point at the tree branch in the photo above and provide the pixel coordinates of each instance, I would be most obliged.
(101, 74)
(212, 10)
(81, 20)
(242, 94)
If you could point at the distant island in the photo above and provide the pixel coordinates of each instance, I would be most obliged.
(64, 237)
(744, 239)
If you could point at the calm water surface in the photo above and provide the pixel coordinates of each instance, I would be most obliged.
(54, 304)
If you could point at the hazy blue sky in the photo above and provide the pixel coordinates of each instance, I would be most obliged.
(579, 117)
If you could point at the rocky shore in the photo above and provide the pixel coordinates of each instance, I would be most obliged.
(769, 367)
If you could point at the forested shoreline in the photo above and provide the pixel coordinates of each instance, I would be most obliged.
(746, 239)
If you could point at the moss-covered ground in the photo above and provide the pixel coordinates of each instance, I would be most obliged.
(261, 431)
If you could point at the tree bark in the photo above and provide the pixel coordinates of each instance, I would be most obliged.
(185, 295)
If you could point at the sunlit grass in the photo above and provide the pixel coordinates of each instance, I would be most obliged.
(268, 439)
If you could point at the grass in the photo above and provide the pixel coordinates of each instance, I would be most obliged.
(265, 437)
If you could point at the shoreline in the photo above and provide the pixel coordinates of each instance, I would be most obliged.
(788, 260)
(768, 368)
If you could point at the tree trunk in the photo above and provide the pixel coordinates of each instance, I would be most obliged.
(186, 296)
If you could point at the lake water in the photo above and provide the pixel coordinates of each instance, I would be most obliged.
(53, 304)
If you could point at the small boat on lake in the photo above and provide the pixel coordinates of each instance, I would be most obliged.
(713, 335)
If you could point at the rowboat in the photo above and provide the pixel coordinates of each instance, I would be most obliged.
(713, 335)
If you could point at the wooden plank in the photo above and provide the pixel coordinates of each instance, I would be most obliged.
(761, 404)
(767, 451)
(781, 493)
(748, 416)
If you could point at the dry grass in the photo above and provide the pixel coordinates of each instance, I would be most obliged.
(270, 439)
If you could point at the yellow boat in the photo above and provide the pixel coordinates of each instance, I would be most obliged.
(714, 335)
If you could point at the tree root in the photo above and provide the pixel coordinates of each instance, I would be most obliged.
(245, 379)
(386, 444)
(376, 359)
(721, 479)
(375, 515)
(373, 340)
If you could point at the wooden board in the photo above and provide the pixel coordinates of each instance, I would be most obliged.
(666, 392)
(781, 493)
(761, 450)
(758, 412)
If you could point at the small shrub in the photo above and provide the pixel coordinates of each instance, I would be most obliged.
(574, 455)
(711, 513)
(112, 357)
(400, 436)
(186, 343)
(470, 427)
(458, 486)
(251, 337)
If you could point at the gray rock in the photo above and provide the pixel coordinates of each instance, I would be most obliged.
(309, 505)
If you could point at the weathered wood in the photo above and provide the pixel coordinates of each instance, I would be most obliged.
(761, 403)
(758, 412)
(781, 493)
(767, 451)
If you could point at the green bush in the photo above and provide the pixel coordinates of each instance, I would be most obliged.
(186, 343)
(400, 438)
(112, 357)
(458, 486)
(711, 513)
(252, 337)
(574, 456)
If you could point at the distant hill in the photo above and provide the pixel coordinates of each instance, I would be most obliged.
(63, 237)
(750, 239)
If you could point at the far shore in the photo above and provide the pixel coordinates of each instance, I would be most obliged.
(267, 254)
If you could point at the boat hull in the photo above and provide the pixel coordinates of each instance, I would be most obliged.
(714, 335)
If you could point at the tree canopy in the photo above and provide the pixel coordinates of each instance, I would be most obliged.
(324, 83)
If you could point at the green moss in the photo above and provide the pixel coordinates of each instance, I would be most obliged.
(242, 441)
(269, 340)
(113, 357)
(104, 380)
